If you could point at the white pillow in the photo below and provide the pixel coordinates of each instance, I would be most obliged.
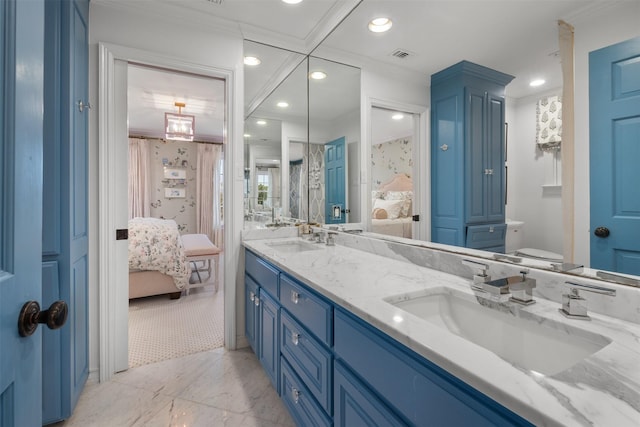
(393, 207)
(376, 194)
(405, 196)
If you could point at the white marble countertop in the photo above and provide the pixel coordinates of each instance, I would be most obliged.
(602, 389)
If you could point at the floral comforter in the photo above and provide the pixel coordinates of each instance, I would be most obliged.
(155, 244)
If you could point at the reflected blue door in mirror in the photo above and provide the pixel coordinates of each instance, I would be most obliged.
(614, 120)
(335, 193)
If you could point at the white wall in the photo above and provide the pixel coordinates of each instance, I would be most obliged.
(168, 37)
(529, 169)
(599, 29)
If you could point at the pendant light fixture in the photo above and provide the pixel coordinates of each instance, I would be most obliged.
(179, 127)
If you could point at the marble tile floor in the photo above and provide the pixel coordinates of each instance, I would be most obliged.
(212, 388)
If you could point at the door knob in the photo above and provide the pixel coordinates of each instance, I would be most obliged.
(30, 316)
(602, 232)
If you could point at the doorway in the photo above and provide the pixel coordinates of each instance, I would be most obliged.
(175, 183)
(394, 136)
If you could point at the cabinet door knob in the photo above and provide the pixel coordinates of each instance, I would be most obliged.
(444, 147)
(295, 297)
(295, 393)
(252, 296)
(295, 338)
(257, 301)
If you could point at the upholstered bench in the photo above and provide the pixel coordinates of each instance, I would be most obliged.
(198, 247)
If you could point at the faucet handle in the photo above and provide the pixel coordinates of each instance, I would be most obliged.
(480, 272)
(574, 305)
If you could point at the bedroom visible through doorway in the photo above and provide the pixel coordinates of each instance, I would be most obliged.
(175, 171)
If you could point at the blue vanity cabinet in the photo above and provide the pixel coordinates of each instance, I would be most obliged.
(355, 405)
(417, 391)
(468, 153)
(262, 314)
(306, 338)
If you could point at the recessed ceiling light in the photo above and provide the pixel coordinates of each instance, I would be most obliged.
(261, 122)
(380, 25)
(397, 116)
(318, 75)
(537, 82)
(247, 135)
(282, 104)
(252, 61)
(291, 1)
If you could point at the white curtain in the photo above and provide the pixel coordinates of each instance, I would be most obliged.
(274, 187)
(208, 194)
(139, 179)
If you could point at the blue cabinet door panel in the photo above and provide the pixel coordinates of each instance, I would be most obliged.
(495, 148)
(355, 405)
(417, 389)
(269, 353)
(262, 272)
(308, 358)
(251, 326)
(475, 159)
(309, 309)
(299, 401)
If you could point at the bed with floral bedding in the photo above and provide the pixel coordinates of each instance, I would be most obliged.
(157, 260)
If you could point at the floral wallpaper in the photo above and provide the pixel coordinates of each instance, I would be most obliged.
(390, 158)
(177, 154)
(313, 195)
(295, 169)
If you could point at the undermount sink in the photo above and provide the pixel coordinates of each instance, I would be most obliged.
(526, 340)
(291, 246)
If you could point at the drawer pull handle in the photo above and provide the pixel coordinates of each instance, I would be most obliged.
(296, 394)
(295, 337)
(257, 301)
(295, 297)
(252, 296)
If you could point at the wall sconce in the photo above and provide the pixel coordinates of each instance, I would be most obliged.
(179, 127)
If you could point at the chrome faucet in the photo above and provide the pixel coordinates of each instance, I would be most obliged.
(331, 238)
(480, 273)
(520, 288)
(574, 306)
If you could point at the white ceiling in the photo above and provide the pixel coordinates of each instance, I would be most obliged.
(518, 37)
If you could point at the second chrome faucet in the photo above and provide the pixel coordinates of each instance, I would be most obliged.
(519, 288)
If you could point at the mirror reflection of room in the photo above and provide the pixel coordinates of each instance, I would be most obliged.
(392, 171)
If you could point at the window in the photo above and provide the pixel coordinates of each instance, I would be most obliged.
(263, 186)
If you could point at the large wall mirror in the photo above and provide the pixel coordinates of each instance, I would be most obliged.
(533, 200)
(302, 141)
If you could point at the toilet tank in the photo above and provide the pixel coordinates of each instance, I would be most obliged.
(514, 237)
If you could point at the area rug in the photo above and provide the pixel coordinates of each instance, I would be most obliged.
(161, 328)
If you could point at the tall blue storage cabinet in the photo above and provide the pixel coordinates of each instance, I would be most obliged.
(65, 270)
(468, 179)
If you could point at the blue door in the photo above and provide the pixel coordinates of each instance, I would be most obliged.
(65, 223)
(335, 184)
(614, 126)
(21, 106)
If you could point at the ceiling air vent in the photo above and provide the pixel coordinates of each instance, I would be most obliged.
(215, 1)
(401, 53)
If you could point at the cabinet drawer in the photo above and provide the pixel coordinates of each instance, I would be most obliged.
(485, 236)
(301, 405)
(355, 405)
(315, 314)
(262, 272)
(308, 358)
(415, 387)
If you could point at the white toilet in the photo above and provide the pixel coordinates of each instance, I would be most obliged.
(513, 245)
